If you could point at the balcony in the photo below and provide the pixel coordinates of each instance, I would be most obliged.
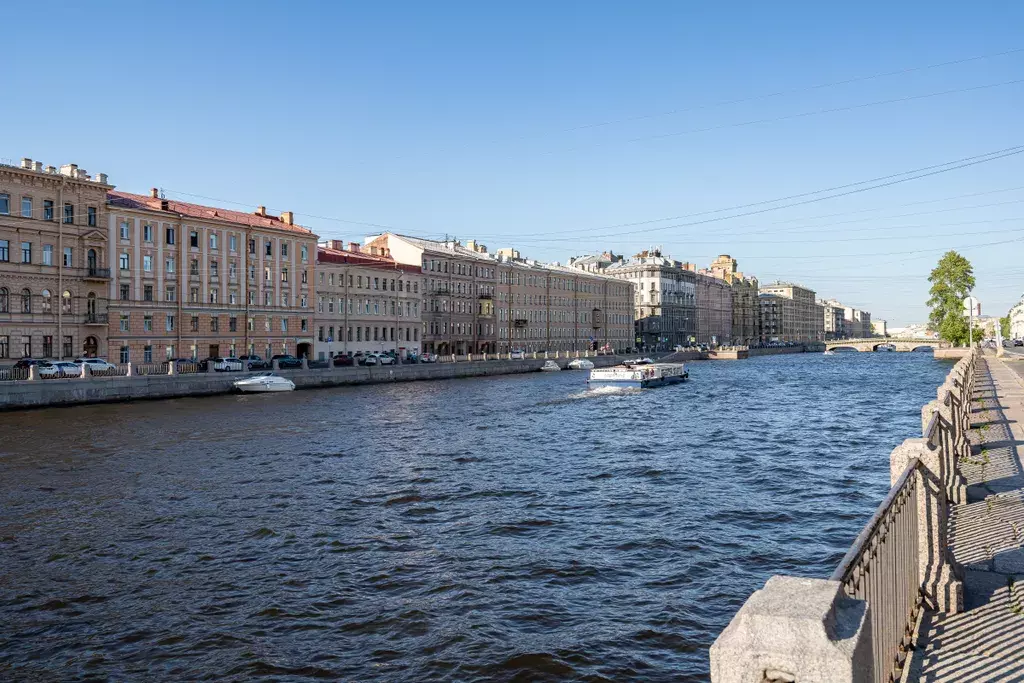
(486, 296)
(520, 322)
(96, 319)
(94, 273)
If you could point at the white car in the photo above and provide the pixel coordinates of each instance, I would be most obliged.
(97, 366)
(47, 370)
(68, 369)
(385, 359)
(228, 364)
(518, 354)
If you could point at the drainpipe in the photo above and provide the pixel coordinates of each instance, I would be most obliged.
(245, 274)
(344, 337)
(60, 266)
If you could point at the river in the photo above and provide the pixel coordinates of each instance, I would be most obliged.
(495, 529)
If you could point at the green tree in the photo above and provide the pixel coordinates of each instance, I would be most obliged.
(1004, 326)
(952, 281)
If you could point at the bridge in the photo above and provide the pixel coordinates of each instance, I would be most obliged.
(901, 344)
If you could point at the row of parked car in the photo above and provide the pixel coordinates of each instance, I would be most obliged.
(51, 369)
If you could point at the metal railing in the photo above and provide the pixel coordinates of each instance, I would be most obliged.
(882, 568)
(13, 373)
(96, 318)
(101, 273)
(189, 368)
(150, 369)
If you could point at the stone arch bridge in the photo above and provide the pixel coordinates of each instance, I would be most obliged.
(872, 344)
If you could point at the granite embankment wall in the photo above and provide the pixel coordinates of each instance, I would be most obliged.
(64, 392)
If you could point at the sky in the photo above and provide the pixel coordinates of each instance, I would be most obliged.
(562, 128)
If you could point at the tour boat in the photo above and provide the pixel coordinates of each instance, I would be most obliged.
(641, 376)
(265, 381)
(581, 364)
(550, 366)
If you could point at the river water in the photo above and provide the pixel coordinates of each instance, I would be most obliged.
(496, 529)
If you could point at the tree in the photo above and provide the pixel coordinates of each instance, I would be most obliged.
(952, 281)
(1004, 326)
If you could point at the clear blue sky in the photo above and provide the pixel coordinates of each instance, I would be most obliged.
(477, 120)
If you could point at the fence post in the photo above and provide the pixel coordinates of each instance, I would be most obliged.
(954, 443)
(85, 373)
(305, 363)
(274, 365)
(796, 630)
(33, 373)
(940, 577)
(172, 367)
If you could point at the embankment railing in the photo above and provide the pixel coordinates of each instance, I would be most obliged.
(857, 626)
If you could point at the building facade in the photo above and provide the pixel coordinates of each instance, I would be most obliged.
(857, 322)
(714, 309)
(746, 313)
(792, 313)
(833, 317)
(458, 287)
(549, 307)
(54, 277)
(1017, 320)
(192, 281)
(880, 328)
(365, 303)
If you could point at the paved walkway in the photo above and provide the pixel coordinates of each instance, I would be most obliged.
(986, 641)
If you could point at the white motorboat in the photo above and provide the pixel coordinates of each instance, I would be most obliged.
(829, 352)
(640, 375)
(265, 381)
(581, 364)
(550, 366)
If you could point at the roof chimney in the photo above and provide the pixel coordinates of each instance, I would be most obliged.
(26, 163)
(337, 245)
(101, 178)
(154, 193)
(164, 205)
(37, 166)
(353, 247)
(288, 217)
(51, 169)
(261, 211)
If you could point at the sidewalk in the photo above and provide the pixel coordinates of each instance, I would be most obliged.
(986, 641)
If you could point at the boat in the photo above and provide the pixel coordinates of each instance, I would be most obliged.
(550, 366)
(829, 352)
(265, 381)
(581, 364)
(639, 375)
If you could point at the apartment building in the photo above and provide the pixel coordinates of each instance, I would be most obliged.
(746, 314)
(834, 319)
(458, 288)
(550, 307)
(188, 280)
(790, 313)
(365, 302)
(53, 255)
(714, 307)
(1016, 314)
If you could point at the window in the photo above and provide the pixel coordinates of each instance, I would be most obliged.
(5, 254)
(233, 242)
(303, 302)
(193, 267)
(170, 322)
(251, 323)
(169, 352)
(26, 301)
(195, 323)
(169, 293)
(232, 324)
(169, 265)
(305, 254)
(147, 323)
(213, 240)
(69, 212)
(270, 248)
(26, 207)
(124, 322)
(147, 292)
(125, 355)
(232, 270)
(213, 268)
(147, 354)
(193, 295)
(252, 273)
(124, 230)
(69, 260)
(46, 300)
(66, 301)
(284, 275)
(147, 263)
(284, 299)
(232, 298)
(147, 233)
(26, 252)
(5, 300)
(304, 325)
(193, 239)
(125, 292)
(252, 298)
(122, 261)
(266, 324)
(47, 209)
(213, 296)
(47, 346)
(252, 246)
(266, 274)
(284, 324)
(47, 254)
(284, 249)
(169, 236)
(304, 278)
(267, 299)
(376, 283)
(5, 204)
(214, 324)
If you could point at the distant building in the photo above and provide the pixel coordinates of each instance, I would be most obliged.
(746, 315)
(714, 307)
(1017, 320)
(792, 313)
(834, 318)
(879, 328)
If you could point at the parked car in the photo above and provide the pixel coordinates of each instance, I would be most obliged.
(26, 363)
(370, 359)
(518, 354)
(343, 360)
(254, 362)
(285, 361)
(428, 357)
(68, 369)
(1018, 342)
(97, 366)
(46, 370)
(385, 359)
(227, 364)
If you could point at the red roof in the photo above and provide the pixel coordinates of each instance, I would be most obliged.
(147, 203)
(358, 258)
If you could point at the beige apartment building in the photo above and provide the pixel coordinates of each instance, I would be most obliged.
(365, 303)
(458, 288)
(746, 313)
(714, 307)
(549, 307)
(789, 312)
(188, 280)
(53, 261)
(833, 319)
